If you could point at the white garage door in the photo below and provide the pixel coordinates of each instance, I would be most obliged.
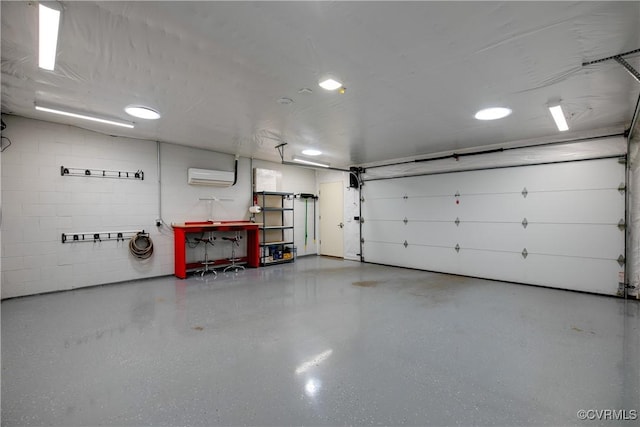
(553, 225)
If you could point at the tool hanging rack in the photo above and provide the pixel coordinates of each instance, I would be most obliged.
(100, 236)
(306, 197)
(101, 173)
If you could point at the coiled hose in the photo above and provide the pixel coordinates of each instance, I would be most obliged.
(141, 246)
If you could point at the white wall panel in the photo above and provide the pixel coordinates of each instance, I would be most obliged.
(571, 236)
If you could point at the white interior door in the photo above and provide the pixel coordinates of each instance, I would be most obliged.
(331, 203)
(553, 225)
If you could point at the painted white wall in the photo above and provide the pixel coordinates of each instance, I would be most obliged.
(38, 205)
(181, 202)
(351, 210)
(298, 180)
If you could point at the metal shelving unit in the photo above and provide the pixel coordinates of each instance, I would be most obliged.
(276, 233)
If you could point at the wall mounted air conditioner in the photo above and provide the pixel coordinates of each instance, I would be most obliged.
(210, 177)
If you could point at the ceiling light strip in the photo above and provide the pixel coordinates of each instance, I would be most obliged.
(309, 162)
(311, 152)
(84, 117)
(48, 26)
(558, 117)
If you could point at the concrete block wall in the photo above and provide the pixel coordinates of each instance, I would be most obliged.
(38, 205)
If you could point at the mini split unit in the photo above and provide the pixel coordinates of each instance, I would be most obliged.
(210, 177)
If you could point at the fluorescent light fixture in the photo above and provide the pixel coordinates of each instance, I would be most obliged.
(49, 23)
(330, 83)
(142, 112)
(493, 113)
(84, 117)
(558, 117)
(309, 162)
(311, 152)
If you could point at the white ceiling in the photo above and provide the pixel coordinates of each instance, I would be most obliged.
(415, 72)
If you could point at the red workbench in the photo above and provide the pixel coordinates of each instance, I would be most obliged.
(180, 232)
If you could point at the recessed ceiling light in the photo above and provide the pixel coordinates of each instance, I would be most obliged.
(330, 83)
(493, 113)
(84, 117)
(142, 112)
(285, 101)
(311, 152)
(304, 90)
(558, 117)
(48, 25)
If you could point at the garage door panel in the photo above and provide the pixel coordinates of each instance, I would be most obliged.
(551, 177)
(415, 233)
(384, 231)
(434, 208)
(597, 276)
(598, 241)
(587, 175)
(552, 239)
(579, 274)
(571, 236)
(492, 208)
(384, 208)
(503, 237)
(558, 207)
(483, 263)
(431, 258)
(577, 207)
(437, 208)
(432, 233)
(589, 275)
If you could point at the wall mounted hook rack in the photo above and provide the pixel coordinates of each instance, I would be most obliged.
(102, 173)
(100, 236)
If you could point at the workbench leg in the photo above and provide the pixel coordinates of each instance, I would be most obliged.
(253, 248)
(180, 262)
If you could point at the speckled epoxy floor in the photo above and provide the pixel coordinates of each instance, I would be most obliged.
(317, 342)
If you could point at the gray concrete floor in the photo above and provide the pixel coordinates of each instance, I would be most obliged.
(318, 342)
